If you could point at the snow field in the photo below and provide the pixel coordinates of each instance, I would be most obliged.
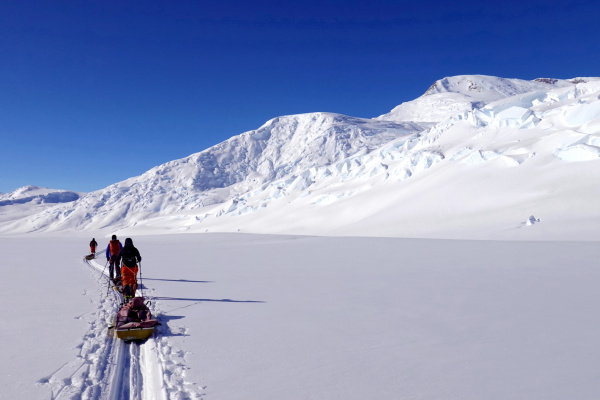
(343, 318)
(271, 317)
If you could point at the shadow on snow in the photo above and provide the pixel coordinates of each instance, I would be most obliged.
(164, 329)
(204, 300)
(177, 280)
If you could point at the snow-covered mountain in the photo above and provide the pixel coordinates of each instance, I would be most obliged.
(282, 147)
(475, 156)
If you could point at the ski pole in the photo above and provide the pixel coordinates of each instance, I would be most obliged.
(104, 269)
(141, 280)
(108, 279)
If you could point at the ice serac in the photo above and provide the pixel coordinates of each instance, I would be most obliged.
(289, 144)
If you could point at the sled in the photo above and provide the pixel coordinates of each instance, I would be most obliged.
(134, 321)
(90, 256)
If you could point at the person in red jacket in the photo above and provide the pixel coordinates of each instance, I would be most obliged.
(93, 245)
(112, 254)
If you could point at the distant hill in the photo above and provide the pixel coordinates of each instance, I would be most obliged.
(29, 200)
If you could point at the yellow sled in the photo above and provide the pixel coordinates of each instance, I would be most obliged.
(134, 333)
(134, 321)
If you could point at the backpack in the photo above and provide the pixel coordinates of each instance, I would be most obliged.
(115, 247)
(128, 257)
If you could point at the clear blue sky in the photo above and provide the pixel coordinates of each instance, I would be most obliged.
(94, 92)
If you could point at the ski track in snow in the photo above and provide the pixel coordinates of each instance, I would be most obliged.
(107, 368)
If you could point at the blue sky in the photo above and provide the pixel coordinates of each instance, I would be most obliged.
(95, 92)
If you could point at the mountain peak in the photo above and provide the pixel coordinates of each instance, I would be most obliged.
(29, 190)
(489, 88)
(457, 94)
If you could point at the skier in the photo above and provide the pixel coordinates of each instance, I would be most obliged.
(130, 256)
(112, 254)
(93, 245)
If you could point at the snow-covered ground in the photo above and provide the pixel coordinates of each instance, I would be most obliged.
(298, 317)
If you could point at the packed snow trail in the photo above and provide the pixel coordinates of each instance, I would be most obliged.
(136, 372)
(125, 379)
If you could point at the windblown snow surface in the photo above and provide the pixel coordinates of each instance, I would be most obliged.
(328, 257)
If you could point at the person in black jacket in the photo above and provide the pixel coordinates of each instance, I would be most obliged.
(130, 256)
